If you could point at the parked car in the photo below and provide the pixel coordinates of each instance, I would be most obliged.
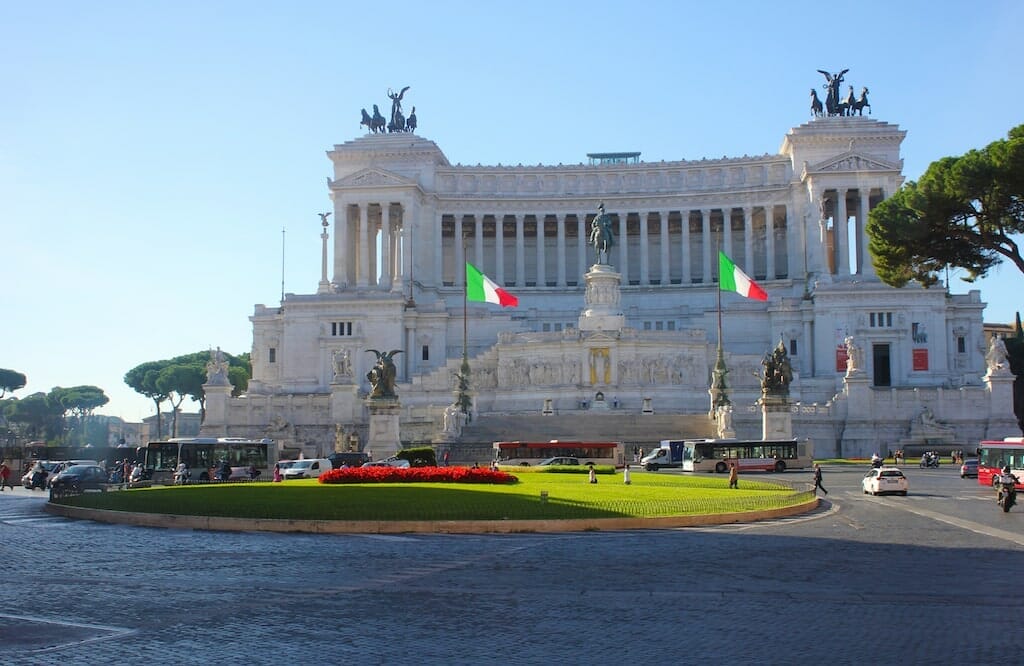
(81, 477)
(48, 467)
(307, 468)
(349, 458)
(63, 465)
(393, 461)
(885, 480)
(969, 468)
(559, 460)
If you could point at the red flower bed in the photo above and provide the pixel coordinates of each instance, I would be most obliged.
(415, 475)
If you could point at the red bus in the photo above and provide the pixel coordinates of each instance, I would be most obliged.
(994, 455)
(523, 454)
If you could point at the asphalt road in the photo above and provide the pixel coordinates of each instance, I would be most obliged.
(934, 576)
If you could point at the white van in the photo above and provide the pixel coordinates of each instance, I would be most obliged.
(307, 468)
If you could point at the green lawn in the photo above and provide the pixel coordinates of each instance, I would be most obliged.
(568, 496)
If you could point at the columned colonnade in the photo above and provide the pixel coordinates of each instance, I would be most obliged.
(661, 247)
(365, 233)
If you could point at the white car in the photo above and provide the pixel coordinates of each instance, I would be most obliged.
(393, 461)
(307, 468)
(885, 480)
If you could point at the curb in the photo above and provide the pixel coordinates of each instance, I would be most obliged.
(223, 524)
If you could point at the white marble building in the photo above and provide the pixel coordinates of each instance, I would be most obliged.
(405, 220)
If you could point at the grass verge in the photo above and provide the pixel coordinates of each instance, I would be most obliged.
(567, 497)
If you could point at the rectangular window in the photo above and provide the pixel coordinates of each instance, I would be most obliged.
(961, 345)
(426, 353)
(792, 347)
(334, 328)
(671, 326)
(339, 328)
(659, 325)
(545, 327)
(272, 355)
(647, 325)
(888, 319)
(558, 327)
(872, 320)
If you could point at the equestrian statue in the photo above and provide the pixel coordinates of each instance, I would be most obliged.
(601, 235)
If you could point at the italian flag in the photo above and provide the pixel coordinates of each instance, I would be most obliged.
(731, 278)
(482, 289)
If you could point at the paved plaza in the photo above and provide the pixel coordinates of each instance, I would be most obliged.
(934, 576)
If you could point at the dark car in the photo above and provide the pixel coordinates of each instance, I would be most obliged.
(349, 458)
(81, 477)
(969, 468)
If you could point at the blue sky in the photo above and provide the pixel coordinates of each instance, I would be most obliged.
(152, 152)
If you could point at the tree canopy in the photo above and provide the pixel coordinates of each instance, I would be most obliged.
(11, 380)
(965, 212)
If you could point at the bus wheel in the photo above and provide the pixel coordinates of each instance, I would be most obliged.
(720, 468)
(780, 466)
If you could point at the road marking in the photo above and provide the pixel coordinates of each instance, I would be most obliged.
(955, 522)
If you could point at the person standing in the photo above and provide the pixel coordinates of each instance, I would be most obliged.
(593, 475)
(625, 475)
(277, 473)
(817, 480)
(5, 476)
(734, 476)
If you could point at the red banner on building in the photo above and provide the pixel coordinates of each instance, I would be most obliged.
(841, 357)
(920, 360)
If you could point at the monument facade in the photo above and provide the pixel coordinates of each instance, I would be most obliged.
(618, 300)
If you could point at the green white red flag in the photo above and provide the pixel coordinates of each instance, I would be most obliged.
(731, 278)
(480, 288)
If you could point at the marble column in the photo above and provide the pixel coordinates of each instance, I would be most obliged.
(478, 242)
(866, 266)
(438, 249)
(342, 245)
(686, 278)
(842, 234)
(623, 244)
(769, 241)
(384, 282)
(666, 275)
(520, 252)
(460, 253)
(727, 232)
(645, 251)
(364, 245)
(705, 235)
(542, 278)
(748, 240)
(499, 249)
(560, 249)
(581, 247)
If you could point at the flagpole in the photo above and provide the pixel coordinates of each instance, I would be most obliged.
(463, 398)
(719, 394)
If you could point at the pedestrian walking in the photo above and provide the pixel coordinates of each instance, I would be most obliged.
(734, 473)
(593, 475)
(447, 453)
(277, 473)
(817, 480)
(5, 476)
(625, 475)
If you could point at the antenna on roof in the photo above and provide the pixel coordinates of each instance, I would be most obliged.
(282, 265)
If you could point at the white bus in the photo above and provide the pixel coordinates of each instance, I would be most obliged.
(777, 455)
(202, 454)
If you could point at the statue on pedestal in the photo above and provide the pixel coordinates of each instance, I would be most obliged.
(217, 369)
(854, 356)
(382, 375)
(602, 237)
(996, 357)
(777, 372)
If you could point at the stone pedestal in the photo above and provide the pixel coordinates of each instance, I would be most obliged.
(383, 439)
(776, 419)
(217, 396)
(1001, 420)
(602, 310)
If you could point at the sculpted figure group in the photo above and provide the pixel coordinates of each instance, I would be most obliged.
(849, 106)
(377, 123)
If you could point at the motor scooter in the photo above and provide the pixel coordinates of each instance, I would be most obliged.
(1007, 494)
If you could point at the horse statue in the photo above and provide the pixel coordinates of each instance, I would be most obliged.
(367, 120)
(601, 235)
(859, 103)
(378, 120)
(846, 106)
(410, 123)
(816, 109)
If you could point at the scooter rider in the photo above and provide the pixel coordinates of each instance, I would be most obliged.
(1008, 480)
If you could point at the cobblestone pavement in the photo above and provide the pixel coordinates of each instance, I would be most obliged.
(863, 580)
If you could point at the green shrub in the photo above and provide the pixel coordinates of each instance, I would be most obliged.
(422, 456)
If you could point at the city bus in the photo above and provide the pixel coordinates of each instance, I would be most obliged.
(202, 454)
(524, 454)
(750, 455)
(994, 455)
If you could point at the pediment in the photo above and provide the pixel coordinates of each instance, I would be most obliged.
(373, 177)
(851, 161)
